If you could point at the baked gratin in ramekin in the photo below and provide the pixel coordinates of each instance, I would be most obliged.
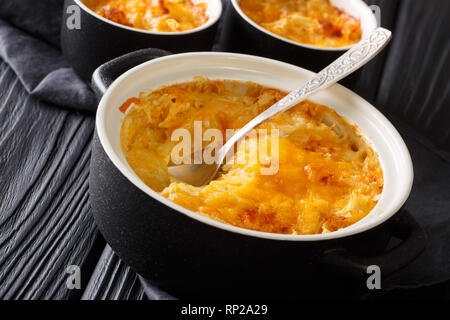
(152, 15)
(328, 176)
(312, 22)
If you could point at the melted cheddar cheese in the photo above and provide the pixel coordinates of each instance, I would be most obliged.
(328, 177)
(152, 15)
(313, 22)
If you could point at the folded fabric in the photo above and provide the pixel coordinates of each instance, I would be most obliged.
(41, 19)
(153, 293)
(34, 55)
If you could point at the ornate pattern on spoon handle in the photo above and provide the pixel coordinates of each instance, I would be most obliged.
(352, 60)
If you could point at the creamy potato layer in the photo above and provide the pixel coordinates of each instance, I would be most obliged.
(153, 15)
(328, 177)
(314, 22)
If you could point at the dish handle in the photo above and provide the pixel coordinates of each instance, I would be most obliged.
(406, 229)
(105, 75)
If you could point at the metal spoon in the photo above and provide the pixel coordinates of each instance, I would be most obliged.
(353, 59)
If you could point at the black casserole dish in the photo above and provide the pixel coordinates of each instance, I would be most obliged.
(188, 254)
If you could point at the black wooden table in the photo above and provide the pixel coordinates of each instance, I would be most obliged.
(45, 223)
(45, 220)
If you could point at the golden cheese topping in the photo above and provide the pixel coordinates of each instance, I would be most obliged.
(328, 177)
(152, 15)
(313, 22)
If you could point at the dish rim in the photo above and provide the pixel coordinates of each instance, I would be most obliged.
(204, 26)
(309, 46)
(353, 229)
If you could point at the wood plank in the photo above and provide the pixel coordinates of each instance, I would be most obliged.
(45, 220)
(113, 280)
(45, 223)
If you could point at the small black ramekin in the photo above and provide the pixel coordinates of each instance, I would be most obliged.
(98, 40)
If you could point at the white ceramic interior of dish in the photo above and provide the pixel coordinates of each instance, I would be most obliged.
(213, 11)
(383, 137)
(356, 8)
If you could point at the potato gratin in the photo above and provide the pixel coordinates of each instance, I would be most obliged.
(313, 22)
(152, 15)
(328, 176)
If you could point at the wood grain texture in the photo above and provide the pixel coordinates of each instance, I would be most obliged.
(113, 280)
(45, 223)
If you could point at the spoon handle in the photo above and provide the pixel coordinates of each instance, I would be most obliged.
(349, 62)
